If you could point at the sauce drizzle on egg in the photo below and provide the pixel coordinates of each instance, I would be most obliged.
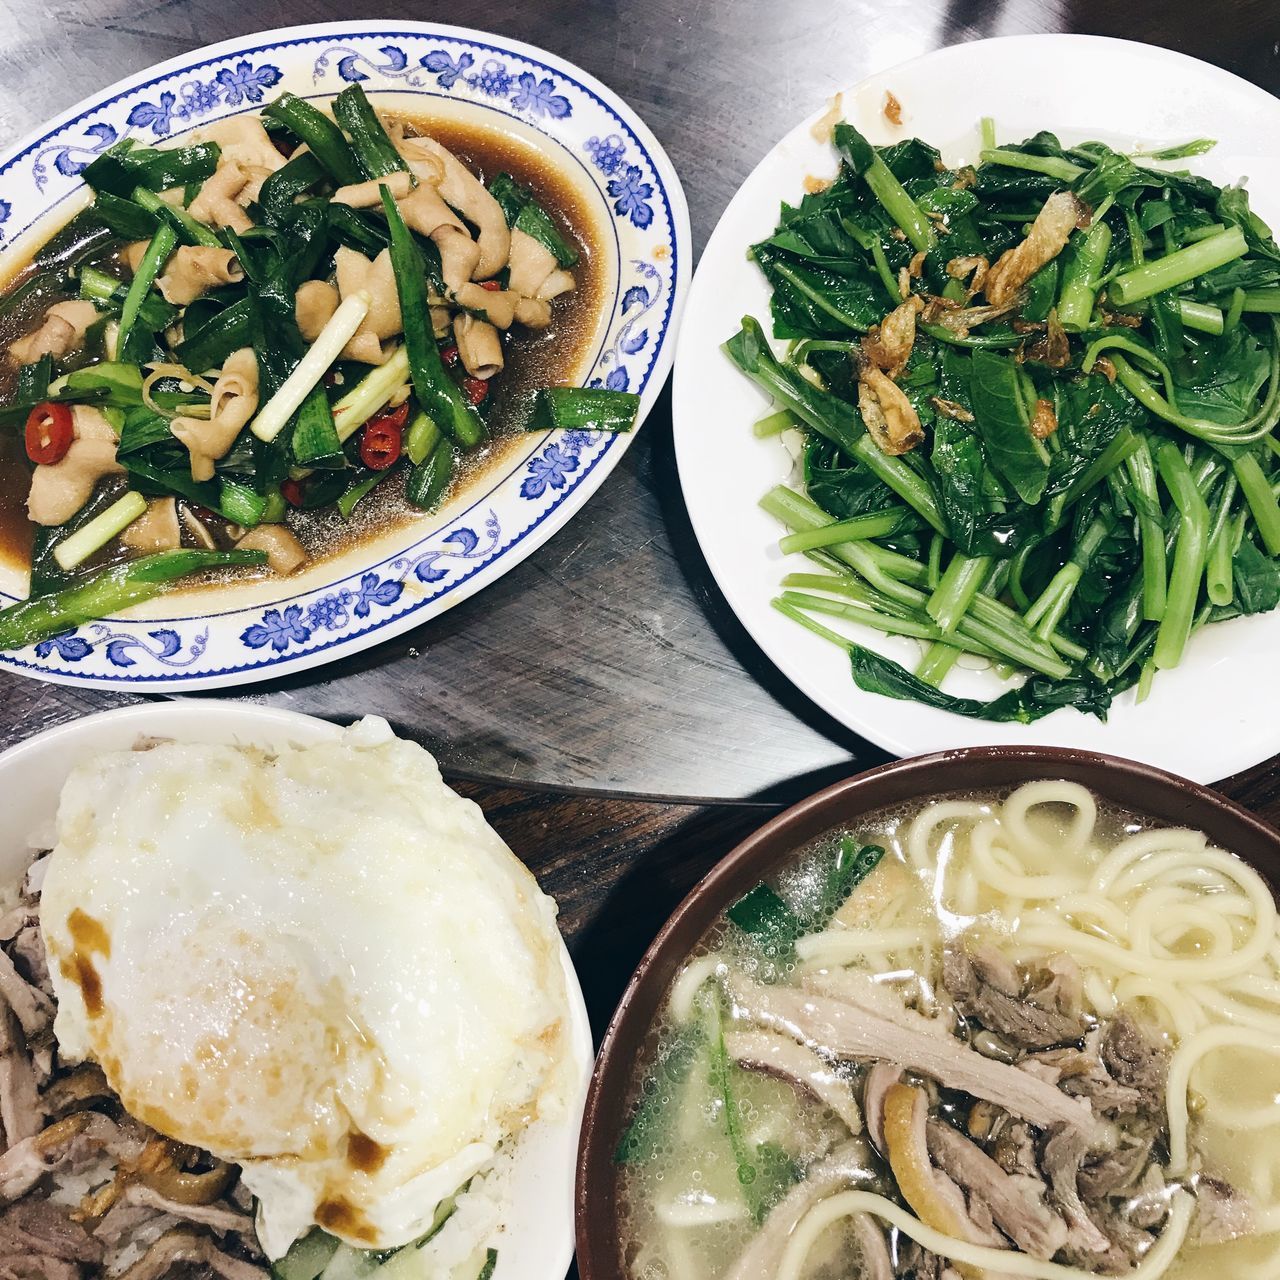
(90, 939)
(364, 1154)
(342, 1218)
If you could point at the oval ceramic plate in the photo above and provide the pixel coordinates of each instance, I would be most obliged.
(1209, 717)
(230, 635)
(537, 1231)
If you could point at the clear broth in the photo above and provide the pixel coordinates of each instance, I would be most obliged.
(689, 1173)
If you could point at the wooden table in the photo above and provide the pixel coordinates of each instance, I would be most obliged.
(584, 699)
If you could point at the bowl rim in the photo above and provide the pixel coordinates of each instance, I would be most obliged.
(773, 842)
(548, 1246)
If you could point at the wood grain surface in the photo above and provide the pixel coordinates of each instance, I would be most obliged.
(608, 660)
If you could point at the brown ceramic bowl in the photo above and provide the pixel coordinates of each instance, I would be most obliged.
(1149, 792)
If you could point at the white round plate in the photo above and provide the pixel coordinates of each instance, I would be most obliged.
(1215, 713)
(215, 637)
(537, 1232)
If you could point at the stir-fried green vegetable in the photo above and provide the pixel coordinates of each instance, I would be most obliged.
(109, 590)
(192, 351)
(583, 409)
(1038, 400)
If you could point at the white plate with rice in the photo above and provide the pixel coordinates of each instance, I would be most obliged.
(531, 1227)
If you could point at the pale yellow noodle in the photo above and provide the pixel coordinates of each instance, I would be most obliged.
(1181, 1065)
(929, 819)
(1013, 815)
(1166, 916)
(1099, 993)
(1143, 845)
(998, 1261)
(689, 983)
(1000, 868)
(1173, 868)
(844, 946)
(1234, 1011)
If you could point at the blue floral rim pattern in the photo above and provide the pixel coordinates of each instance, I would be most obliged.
(639, 195)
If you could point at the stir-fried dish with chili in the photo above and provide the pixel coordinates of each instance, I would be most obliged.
(268, 320)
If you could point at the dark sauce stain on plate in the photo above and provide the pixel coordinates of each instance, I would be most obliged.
(547, 357)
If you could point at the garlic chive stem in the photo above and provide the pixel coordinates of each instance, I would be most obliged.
(341, 328)
(79, 546)
(371, 393)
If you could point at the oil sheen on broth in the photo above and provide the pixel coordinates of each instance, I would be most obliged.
(543, 358)
(1134, 971)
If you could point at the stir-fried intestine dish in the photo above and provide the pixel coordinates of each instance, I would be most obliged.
(984, 1036)
(218, 363)
(272, 1016)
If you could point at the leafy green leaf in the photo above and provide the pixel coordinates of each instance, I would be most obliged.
(1042, 292)
(960, 466)
(847, 869)
(1002, 398)
(827, 414)
(1184, 151)
(912, 158)
(1257, 580)
(142, 430)
(126, 166)
(819, 297)
(1223, 380)
(1036, 698)
(584, 409)
(1234, 209)
(762, 914)
(644, 1134)
(777, 1173)
(842, 490)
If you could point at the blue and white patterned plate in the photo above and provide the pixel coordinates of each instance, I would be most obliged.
(220, 636)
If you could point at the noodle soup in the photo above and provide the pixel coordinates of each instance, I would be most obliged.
(994, 1035)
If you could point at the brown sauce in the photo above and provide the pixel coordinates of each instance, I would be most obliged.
(343, 1218)
(90, 939)
(533, 360)
(364, 1154)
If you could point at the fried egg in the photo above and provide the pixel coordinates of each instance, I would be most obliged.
(322, 965)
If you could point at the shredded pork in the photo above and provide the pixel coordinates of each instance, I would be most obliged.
(1012, 1119)
(86, 1192)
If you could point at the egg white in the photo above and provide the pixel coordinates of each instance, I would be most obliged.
(322, 965)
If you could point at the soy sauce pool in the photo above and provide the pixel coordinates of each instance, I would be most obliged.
(547, 357)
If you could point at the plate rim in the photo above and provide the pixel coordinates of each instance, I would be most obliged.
(599, 459)
(277, 723)
(880, 729)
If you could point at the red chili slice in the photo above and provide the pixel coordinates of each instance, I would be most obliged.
(381, 443)
(396, 417)
(49, 432)
(291, 492)
(492, 285)
(476, 389)
(450, 356)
